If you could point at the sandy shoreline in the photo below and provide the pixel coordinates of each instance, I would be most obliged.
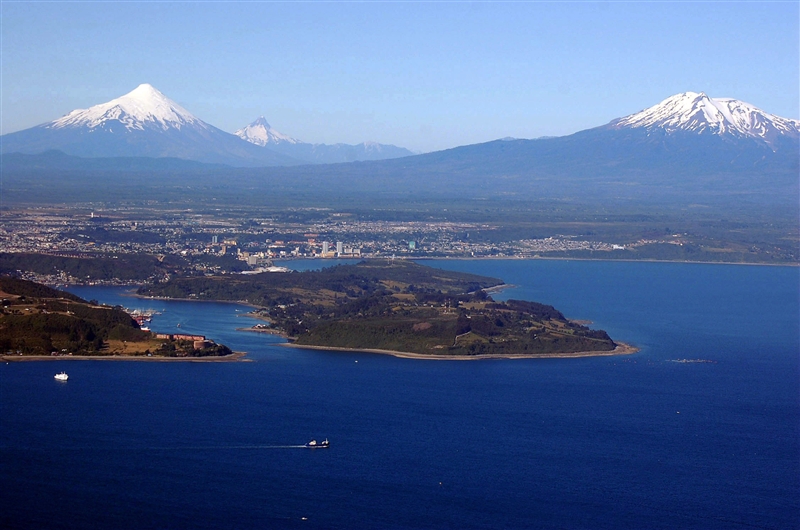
(255, 314)
(268, 331)
(133, 294)
(621, 349)
(498, 288)
(234, 357)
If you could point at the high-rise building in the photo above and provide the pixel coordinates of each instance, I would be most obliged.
(339, 248)
(325, 247)
(215, 239)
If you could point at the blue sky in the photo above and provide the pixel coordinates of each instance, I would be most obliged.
(423, 75)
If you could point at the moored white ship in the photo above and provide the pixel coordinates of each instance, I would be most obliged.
(62, 376)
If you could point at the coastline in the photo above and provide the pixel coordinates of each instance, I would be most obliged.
(254, 314)
(168, 299)
(498, 288)
(268, 331)
(621, 349)
(553, 258)
(630, 260)
(234, 357)
(333, 261)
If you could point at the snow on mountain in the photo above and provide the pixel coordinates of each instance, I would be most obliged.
(372, 147)
(143, 107)
(261, 133)
(696, 112)
(142, 123)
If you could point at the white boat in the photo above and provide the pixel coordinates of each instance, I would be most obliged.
(62, 376)
(321, 445)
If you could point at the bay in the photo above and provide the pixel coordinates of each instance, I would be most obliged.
(608, 442)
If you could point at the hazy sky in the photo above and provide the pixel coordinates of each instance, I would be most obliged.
(423, 75)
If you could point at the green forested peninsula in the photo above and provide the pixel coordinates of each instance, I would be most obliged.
(38, 320)
(398, 306)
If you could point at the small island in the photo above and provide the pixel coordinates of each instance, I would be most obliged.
(38, 322)
(398, 307)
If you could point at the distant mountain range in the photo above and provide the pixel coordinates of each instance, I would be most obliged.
(686, 147)
(688, 133)
(146, 123)
(260, 133)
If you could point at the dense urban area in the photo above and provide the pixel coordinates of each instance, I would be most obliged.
(259, 243)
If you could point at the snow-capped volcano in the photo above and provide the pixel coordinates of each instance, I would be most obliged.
(143, 107)
(261, 133)
(142, 123)
(696, 112)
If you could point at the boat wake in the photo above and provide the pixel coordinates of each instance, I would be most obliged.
(229, 447)
(691, 361)
(169, 448)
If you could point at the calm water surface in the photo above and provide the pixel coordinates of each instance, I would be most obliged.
(621, 442)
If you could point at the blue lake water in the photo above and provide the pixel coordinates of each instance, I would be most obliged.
(607, 442)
